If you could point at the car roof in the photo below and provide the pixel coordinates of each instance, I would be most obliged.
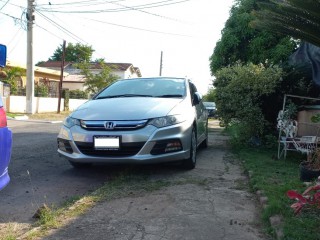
(151, 78)
(210, 103)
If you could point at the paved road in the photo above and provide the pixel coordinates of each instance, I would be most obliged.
(39, 175)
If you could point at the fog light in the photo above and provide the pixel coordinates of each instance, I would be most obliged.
(173, 146)
(166, 146)
(64, 146)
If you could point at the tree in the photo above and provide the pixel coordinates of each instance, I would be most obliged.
(296, 18)
(241, 42)
(210, 96)
(74, 53)
(96, 81)
(12, 74)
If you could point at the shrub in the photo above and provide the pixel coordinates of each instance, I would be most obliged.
(78, 94)
(240, 92)
(41, 90)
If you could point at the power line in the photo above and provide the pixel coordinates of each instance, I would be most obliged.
(140, 29)
(154, 14)
(77, 4)
(4, 5)
(72, 35)
(15, 45)
(8, 15)
(12, 4)
(75, 37)
(123, 8)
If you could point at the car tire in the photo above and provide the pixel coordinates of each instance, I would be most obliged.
(190, 163)
(80, 165)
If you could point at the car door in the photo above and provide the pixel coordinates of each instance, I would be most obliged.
(201, 113)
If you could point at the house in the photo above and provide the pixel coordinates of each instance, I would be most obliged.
(49, 77)
(75, 81)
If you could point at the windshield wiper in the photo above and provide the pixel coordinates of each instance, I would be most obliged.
(170, 96)
(124, 95)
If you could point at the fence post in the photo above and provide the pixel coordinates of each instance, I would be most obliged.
(66, 96)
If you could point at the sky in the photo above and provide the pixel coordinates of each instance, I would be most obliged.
(126, 31)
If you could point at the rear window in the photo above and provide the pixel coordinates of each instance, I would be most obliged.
(209, 104)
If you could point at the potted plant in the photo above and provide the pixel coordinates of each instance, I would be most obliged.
(310, 169)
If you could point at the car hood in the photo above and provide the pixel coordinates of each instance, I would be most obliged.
(133, 108)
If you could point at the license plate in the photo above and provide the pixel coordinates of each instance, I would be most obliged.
(107, 142)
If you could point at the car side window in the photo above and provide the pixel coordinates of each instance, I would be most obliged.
(193, 90)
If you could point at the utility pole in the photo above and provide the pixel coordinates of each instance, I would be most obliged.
(61, 74)
(161, 64)
(30, 66)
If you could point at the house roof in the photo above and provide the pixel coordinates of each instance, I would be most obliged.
(94, 65)
(74, 79)
(53, 64)
(37, 69)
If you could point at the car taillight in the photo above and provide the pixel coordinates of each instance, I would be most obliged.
(3, 118)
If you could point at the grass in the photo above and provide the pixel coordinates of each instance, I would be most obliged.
(124, 185)
(54, 116)
(13, 114)
(48, 116)
(275, 177)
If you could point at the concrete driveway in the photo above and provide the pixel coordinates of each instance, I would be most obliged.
(222, 208)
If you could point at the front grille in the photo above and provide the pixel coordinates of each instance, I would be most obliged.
(126, 149)
(112, 125)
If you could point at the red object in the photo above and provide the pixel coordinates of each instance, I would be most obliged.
(3, 118)
(305, 198)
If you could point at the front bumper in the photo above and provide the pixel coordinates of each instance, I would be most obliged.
(5, 155)
(144, 145)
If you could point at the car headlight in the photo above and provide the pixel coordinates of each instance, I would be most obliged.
(167, 121)
(70, 122)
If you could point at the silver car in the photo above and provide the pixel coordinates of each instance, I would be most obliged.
(140, 120)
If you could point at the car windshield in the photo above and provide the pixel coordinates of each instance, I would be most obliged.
(209, 104)
(145, 87)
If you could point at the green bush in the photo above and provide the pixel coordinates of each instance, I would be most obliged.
(41, 90)
(241, 91)
(78, 94)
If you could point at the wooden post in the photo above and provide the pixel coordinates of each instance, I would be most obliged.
(61, 75)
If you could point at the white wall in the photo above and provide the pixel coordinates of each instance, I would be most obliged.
(17, 104)
(4, 101)
(73, 86)
(74, 103)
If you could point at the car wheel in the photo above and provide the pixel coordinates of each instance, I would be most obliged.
(80, 165)
(190, 163)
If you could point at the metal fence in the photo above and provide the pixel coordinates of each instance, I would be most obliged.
(4, 89)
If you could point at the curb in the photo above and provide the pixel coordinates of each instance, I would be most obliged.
(276, 220)
(26, 119)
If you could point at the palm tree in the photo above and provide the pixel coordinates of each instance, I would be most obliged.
(299, 19)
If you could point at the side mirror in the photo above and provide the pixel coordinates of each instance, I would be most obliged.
(197, 98)
(3, 55)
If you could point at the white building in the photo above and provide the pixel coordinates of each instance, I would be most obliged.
(75, 81)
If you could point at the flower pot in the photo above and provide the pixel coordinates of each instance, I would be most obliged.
(308, 174)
